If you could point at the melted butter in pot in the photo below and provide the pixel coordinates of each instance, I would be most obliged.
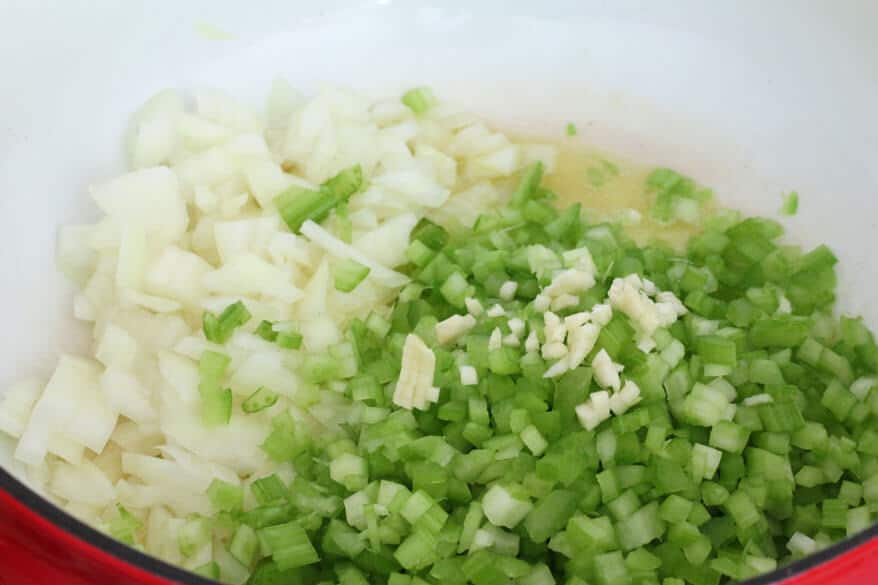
(610, 188)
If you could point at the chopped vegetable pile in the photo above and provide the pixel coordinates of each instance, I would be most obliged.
(516, 393)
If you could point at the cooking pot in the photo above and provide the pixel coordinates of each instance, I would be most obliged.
(753, 97)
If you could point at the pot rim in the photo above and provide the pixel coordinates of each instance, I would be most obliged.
(79, 529)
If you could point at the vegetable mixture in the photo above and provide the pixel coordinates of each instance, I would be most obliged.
(360, 342)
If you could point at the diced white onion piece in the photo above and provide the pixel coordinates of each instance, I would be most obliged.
(248, 274)
(244, 236)
(181, 374)
(414, 185)
(337, 248)
(132, 298)
(389, 111)
(17, 404)
(501, 163)
(319, 333)
(198, 134)
(443, 167)
(149, 198)
(464, 207)
(264, 369)
(116, 347)
(475, 140)
(224, 162)
(94, 419)
(82, 484)
(154, 134)
(223, 109)
(386, 244)
(282, 102)
(133, 257)
(74, 255)
(126, 395)
(83, 309)
(57, 405)
(178, 274)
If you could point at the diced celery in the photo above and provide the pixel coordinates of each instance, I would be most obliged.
(216, 401)
(220, 329)
(193, 535)
(225, 497)
(779, 332)
(641, 527)
(209, 570)
(729, 436)
(417, 551)
(705, 405)
(419, 99)
(592, 533)
(455, 289)
(289, 546)
(261, 399)
(742, 510)
(502, 508)
(838, 400)
(610, 569)
(528, 184)
(348, 274)
(244, 545)
(297, 205)
(125, 525)
(550, 514)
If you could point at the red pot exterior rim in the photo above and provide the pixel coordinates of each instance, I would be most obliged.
(42, 544)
